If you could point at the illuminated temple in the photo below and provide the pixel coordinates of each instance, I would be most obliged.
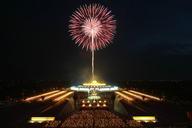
(94, 85)
(94, 94)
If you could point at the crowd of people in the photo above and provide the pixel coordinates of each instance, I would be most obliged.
(52, 124)
(93, 118)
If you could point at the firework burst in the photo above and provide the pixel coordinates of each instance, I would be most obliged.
(92, 27)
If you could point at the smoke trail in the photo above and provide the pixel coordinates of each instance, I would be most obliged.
(92, 52)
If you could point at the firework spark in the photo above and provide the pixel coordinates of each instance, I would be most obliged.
(92, 27)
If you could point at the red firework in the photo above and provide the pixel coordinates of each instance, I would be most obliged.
(92, 27)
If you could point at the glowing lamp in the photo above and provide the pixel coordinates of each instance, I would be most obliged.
(144, 119)
(41, 119)
(104, 105)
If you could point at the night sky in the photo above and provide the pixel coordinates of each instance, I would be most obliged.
(153, 41)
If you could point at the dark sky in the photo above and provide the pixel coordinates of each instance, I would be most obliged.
(153, 41)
